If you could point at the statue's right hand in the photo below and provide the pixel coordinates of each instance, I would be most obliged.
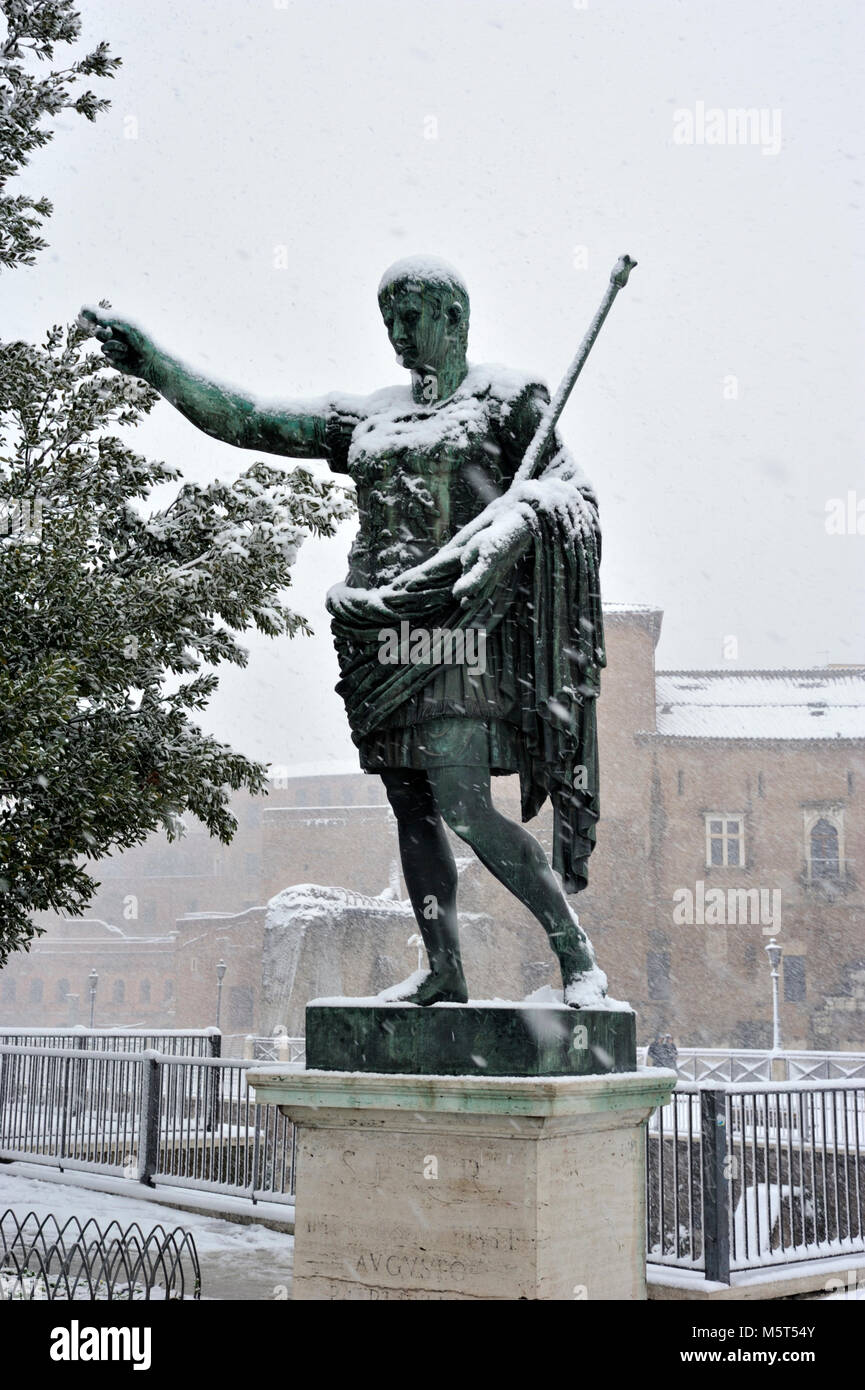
(127, 348)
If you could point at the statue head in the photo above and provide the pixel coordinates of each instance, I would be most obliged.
(425, 306)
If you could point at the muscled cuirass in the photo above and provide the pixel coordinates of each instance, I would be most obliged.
(421, 474)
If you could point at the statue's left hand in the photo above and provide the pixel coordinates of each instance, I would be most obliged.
(488, 558)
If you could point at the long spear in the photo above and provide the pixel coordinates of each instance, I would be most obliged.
(544, 433)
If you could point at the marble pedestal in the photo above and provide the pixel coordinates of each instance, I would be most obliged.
(455, 1187)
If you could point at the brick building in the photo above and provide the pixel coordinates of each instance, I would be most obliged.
(731, 811)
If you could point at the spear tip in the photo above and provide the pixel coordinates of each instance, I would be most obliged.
(621, 270)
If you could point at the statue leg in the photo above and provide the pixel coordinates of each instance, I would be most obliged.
(431, 878)
(517, 860)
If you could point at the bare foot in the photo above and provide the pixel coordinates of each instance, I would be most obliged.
(587, 989)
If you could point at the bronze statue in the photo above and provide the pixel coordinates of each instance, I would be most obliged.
(469, 628)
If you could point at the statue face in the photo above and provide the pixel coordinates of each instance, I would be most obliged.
(425, 323)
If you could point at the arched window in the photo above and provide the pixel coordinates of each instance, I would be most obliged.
(62, 991)
(118, 993)
(144, 992)
(35, 991)
(825, 861)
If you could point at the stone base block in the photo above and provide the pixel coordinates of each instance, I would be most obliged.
(439, 1188)
(470, 1039)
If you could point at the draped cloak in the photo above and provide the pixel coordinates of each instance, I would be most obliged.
(545, 611)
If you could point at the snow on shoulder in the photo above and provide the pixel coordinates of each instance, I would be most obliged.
(506, 383)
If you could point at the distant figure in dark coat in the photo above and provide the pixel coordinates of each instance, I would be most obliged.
(663, 1052)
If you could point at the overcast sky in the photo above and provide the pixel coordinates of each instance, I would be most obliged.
(530, 144)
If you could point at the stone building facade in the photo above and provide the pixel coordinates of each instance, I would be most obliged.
(732, 812)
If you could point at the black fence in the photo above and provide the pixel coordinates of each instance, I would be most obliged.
(738, 1176)
(44, 1261)
(749, 1176)
(186, 1121)
(179, 1042)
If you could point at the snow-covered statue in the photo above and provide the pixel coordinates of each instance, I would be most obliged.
(469, 628)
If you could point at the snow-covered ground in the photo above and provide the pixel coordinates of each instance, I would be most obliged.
(238, 1261)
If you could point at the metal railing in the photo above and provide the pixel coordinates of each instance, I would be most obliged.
(44, 1261)
(182, 1042)
(745, 1176)
(755, 1064)
(738, 1175)
(186, 1121)
(276, 1047)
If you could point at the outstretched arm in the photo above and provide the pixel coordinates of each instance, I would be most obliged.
(297, 431)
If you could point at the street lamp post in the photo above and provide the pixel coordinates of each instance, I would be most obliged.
(92, 981)
(778, 1066)
(220, 976)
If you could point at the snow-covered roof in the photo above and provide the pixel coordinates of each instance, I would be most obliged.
(824, 703)
(318, 900)
(322, 768)
(80, 930)
(630, 607)
(647, 615)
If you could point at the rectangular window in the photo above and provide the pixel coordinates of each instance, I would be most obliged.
(794, 979)
(725, 839)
